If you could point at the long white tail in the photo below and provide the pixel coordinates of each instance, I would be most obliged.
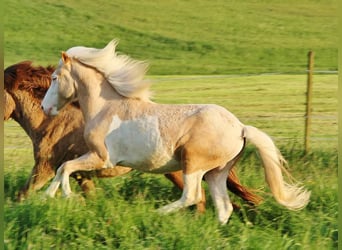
(291, 196)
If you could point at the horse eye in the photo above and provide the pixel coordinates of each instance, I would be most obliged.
(54, 78)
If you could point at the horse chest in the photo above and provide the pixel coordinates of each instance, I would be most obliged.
(138, 144)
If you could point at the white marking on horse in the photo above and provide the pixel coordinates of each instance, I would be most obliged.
(50, 101)
(138, 143)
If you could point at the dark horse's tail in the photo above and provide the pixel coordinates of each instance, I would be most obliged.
(235, 186)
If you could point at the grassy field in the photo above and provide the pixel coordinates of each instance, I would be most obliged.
(179, 37)
(122, 215)
(200, 52)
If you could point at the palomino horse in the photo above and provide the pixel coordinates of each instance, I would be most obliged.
(123, 126)
(25, 86)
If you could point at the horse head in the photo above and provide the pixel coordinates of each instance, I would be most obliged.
(12, 78)
(124, 76)
(62, 90)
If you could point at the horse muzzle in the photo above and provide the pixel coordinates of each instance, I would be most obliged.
(50, 111)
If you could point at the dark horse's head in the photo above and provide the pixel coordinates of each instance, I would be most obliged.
(24, 77)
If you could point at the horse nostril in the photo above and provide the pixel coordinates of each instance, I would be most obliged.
(42, 107)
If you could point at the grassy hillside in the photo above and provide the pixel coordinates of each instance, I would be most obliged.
(179, 37)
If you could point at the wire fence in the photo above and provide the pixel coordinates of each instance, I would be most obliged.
(290, 118)
(169, 78)
(302, 117)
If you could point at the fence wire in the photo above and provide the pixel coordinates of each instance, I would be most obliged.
(160, 79)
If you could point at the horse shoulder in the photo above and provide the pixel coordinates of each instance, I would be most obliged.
(95, 133)
(63, 136)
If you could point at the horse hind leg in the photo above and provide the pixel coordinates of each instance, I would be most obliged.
(216, 180)
(177, 179)
(192, 193)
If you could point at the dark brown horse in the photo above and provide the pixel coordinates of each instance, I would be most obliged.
(25, 87)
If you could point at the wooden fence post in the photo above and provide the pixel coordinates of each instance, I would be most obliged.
(308, 101)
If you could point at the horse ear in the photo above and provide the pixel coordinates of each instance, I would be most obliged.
(65, 57)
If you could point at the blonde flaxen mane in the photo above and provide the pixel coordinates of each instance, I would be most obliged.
(123, 73)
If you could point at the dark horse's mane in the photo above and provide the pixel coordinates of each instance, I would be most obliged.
(35, 80)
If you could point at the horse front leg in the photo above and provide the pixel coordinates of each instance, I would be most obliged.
(87, 184)
(52, 189)
(88, 162)
(41, 173)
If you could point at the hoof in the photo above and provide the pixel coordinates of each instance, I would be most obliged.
(175, 206)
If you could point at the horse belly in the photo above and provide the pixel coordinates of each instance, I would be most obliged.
(138, 144)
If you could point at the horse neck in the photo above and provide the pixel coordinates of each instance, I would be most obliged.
(95, 106)
(94, 94)
(31, 116)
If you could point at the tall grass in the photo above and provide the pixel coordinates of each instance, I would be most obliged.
(123, 215)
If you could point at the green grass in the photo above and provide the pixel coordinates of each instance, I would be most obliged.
(122, 215)
(179, 37)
